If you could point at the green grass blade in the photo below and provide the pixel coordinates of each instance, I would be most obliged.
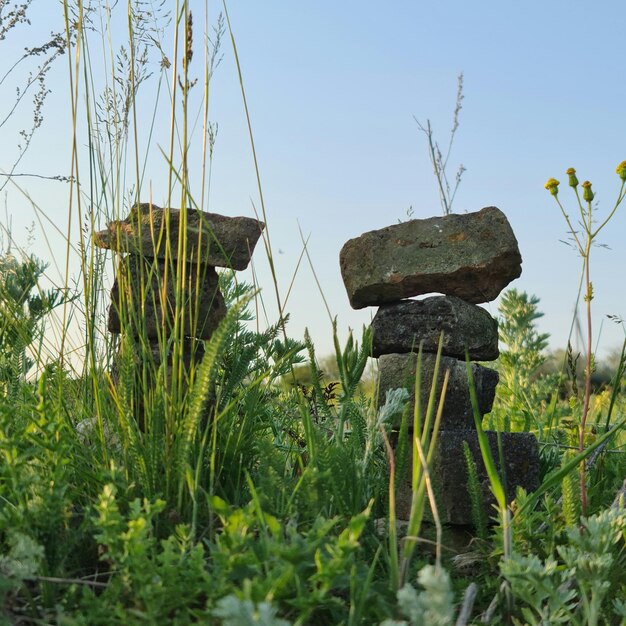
(554, 478)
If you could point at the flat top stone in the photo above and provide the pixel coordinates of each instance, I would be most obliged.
(212, 239)
(473, 256)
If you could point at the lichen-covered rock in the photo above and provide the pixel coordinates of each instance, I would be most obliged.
(473, 256)
(211, 239)
(146, 300)
(398, 370)
(401, 327)
(449, 473)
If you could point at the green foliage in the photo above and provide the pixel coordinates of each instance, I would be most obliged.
(522, 393)
(307, 572)
(37, 483)
(433, 605)
(576, 587)
(583, 236)
(236, 612)
(21, 563)
(479, 517)
(149, 578)
(536, 529)
(570, 496)
(220, 491)
(23, 309)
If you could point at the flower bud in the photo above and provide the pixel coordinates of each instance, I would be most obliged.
(552, 186)
(587, 193)
(621, 170)
(573, 181)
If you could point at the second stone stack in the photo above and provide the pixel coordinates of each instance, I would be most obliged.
(469, 258)
(152, 288)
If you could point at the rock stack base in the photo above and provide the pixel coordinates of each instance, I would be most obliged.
(167, 285)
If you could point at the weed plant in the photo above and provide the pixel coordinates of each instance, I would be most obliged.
(144, 488)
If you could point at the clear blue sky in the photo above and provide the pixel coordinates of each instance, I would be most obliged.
(332, 89)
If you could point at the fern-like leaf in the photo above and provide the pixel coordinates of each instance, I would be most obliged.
(570, 495)
(206, 374)
(479, 517)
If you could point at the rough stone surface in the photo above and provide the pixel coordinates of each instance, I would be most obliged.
(449, 473)
(401, 327)
(398, 370)
(473, 256)
(212, 239)
(150, 309)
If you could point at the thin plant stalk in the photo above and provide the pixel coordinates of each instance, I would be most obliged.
(394, 569)
(438, 160)
(429, 443)
(265, 235)
(497, 487)
(583, 243)
(432, 501)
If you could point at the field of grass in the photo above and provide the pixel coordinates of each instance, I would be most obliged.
(251, 487)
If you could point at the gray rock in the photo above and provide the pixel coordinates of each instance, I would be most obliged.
(473, 256)
(449, 473)
(398, 370)
(212, 239)
(149, 311)
(401, 327)
(88, 433)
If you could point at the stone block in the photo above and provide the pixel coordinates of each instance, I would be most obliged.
(449, 473)
(148, 299)
(473, 256)
(400, 327)
(398, 370)
(212, 239)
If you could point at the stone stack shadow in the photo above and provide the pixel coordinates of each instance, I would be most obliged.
(143, 297)
(470, 258)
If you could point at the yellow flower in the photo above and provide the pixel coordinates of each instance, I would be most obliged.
(587, 193)
(621, 170)
(552, 186)
(573, 181)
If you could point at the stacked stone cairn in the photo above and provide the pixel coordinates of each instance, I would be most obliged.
(143, 297)
(469, 258)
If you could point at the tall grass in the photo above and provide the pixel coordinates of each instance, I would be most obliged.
(152, 488)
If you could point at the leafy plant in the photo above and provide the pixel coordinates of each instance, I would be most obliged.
(522, 391)
(433, 605)
(575, 588)
(479, 517)
(24, 306)
(236, 612)
(583, 239)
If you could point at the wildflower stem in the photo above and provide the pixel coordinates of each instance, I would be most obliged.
(620, 197)
(569, 224)
(586, 214)
(588, 366)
